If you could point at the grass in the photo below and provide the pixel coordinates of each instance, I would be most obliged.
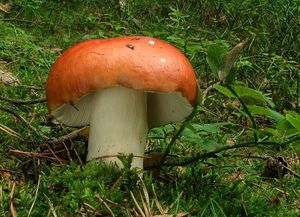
(36, 182)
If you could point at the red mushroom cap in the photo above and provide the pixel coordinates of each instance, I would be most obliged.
(136, 62)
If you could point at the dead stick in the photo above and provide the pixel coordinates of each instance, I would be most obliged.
(35, 154)
(66, 137)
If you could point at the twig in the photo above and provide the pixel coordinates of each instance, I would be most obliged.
(36, 154)
(24, 121)
(51, 206)
(23, 102)
(158, 205)
(12, 210)
(290, 170)
(10, 132)
(141, 212)
(59, 160)
(247, 156)
(92, 208)
(35, 195)
(66, 137)
(97, 196)
(205, 92)
(73, 147)
(107, 207)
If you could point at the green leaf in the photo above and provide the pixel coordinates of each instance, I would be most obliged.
(223, 90)
(297, 146)
(286, 127)
(259, 110)
(215, 57)
(210, 128)
(245, 92)
(254, 94)
(294, 119)
(271, 132)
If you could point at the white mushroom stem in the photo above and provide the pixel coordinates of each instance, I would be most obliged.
(118, 125)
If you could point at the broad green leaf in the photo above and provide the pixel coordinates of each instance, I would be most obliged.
(215, 57)
(190, 136)
(245, 92)
(210, 128)
(270, 131)
(297, 146)
(286, 127)
(211, 145)
(254, 94)
(266, 111)
(294, 119)
(223, 90)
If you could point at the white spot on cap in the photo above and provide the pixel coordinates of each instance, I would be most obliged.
(151, 42)
(163, 60)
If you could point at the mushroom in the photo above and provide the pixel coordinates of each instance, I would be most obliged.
(121, 87)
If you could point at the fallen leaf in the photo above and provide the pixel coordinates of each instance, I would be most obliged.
(7, 78)
(230, 142)
(275, 200)
(5, 174)
(85, 132)
(5, 7)
(55, 50)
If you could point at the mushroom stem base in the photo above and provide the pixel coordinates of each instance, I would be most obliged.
(118, 125)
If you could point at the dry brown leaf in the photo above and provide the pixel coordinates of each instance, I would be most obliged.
(5, 7)
(7, 78)
(55, 50)
(230, 142)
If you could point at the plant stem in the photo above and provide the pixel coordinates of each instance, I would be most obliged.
(254, 125)
(203, 156)
(177, 134)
